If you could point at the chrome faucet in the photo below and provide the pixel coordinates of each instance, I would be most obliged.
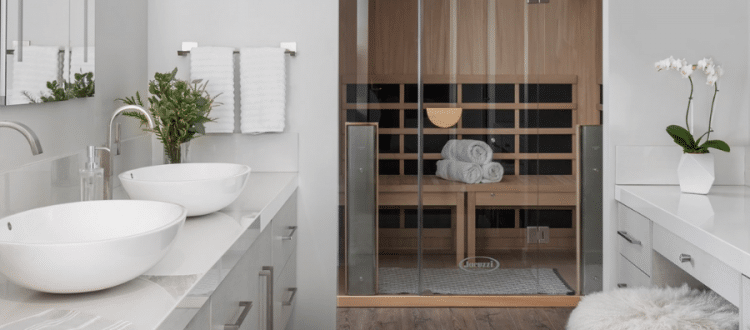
(36, 147)
(108, 166)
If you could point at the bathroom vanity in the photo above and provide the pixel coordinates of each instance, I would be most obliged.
(669, 238)
(232, 267)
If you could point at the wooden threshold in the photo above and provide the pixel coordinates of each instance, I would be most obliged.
(457, 301)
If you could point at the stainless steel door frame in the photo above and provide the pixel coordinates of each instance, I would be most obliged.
(361, 209)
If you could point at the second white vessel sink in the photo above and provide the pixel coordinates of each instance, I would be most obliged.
(86, 246)
(202, 188)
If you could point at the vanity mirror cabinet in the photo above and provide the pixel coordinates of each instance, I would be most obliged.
(259, 291)
(49, 50)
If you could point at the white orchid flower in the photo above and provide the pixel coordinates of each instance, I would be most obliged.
(712, 78)
(686, 71)
(702, 64)
(719, 70)
(710, 69)
(675, 63)
(662, 65)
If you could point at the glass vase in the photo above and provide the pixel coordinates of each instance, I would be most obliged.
(177, 154)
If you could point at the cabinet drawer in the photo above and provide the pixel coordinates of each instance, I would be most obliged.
(242, 284)
(704, 267)
(285, 234)
(634, 237)
(629, 276)
(284, 293)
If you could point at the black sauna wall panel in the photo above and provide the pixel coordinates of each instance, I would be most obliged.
(545, 167)
(410, 119)
(488, 93)
(433, 218)
(546, 218)
(488, 118)
(509, 166)
(388, 167)
(495, 218)
(433, 93)
(429, 167)
(545, 118)
(433, 143)
(388, 144)
(373, 93)
(498, 143)
(546, 93)
(384, 118)
(389, 217)
(545, 143)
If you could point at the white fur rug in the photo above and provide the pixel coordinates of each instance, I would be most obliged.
(654, 309)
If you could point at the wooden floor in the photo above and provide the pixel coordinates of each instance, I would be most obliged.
(453, 318)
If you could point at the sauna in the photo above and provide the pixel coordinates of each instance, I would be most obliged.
(526, 78)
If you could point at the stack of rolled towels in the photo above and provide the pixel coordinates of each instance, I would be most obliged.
(469, 161)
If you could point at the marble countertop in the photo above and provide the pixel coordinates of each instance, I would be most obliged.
(170, 293)
(718, 223)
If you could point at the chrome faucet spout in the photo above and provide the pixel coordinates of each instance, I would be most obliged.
(122, 109)
(108, 165)
(28, 133)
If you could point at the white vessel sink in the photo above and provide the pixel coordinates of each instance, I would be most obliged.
(200, 187)
(86, 246)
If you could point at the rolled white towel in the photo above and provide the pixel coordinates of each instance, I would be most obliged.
(55, 319)
(470, 151)
(455, 170)
(492, 172)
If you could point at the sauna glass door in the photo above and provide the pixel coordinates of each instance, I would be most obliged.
(479, 59)
(518, 78)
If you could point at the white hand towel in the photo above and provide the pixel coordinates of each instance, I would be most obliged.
(455, 170)
(39, 65)
(216, 65)
(470, 151)
(263, 90)
(54, 319)
(77, 63)
(492, 172)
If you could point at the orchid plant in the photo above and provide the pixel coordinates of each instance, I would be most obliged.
(682, 135)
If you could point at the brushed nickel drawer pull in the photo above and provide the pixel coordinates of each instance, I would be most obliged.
(685, 257)
(268, 273)
(627, 237)
(622, 285)
(289, 238)
(248, 305)
(291, 298)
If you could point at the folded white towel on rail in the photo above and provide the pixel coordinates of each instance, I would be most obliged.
(54, 319)
(492, 172)
(455, 170)
(215, 65)
(39, 65)
(470, 151)
(79, 63)
(263, 90)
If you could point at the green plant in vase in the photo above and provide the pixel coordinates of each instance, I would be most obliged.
(82, 86)
(179, 109)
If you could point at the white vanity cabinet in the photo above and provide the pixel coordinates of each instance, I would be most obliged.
(263, 281)
(634, 248)
(745, 312)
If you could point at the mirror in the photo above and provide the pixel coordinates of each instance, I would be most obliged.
(49, 50)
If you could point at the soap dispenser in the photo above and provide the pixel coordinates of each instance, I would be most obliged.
(92, 178)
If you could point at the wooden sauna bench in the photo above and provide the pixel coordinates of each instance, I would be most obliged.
(513, 190)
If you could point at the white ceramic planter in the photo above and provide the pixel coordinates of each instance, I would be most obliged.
(696, 173)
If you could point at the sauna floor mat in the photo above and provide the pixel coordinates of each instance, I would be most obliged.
(511, 281)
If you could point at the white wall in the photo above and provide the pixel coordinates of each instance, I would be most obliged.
(66, 128)
(640, 102)
(312, 113)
